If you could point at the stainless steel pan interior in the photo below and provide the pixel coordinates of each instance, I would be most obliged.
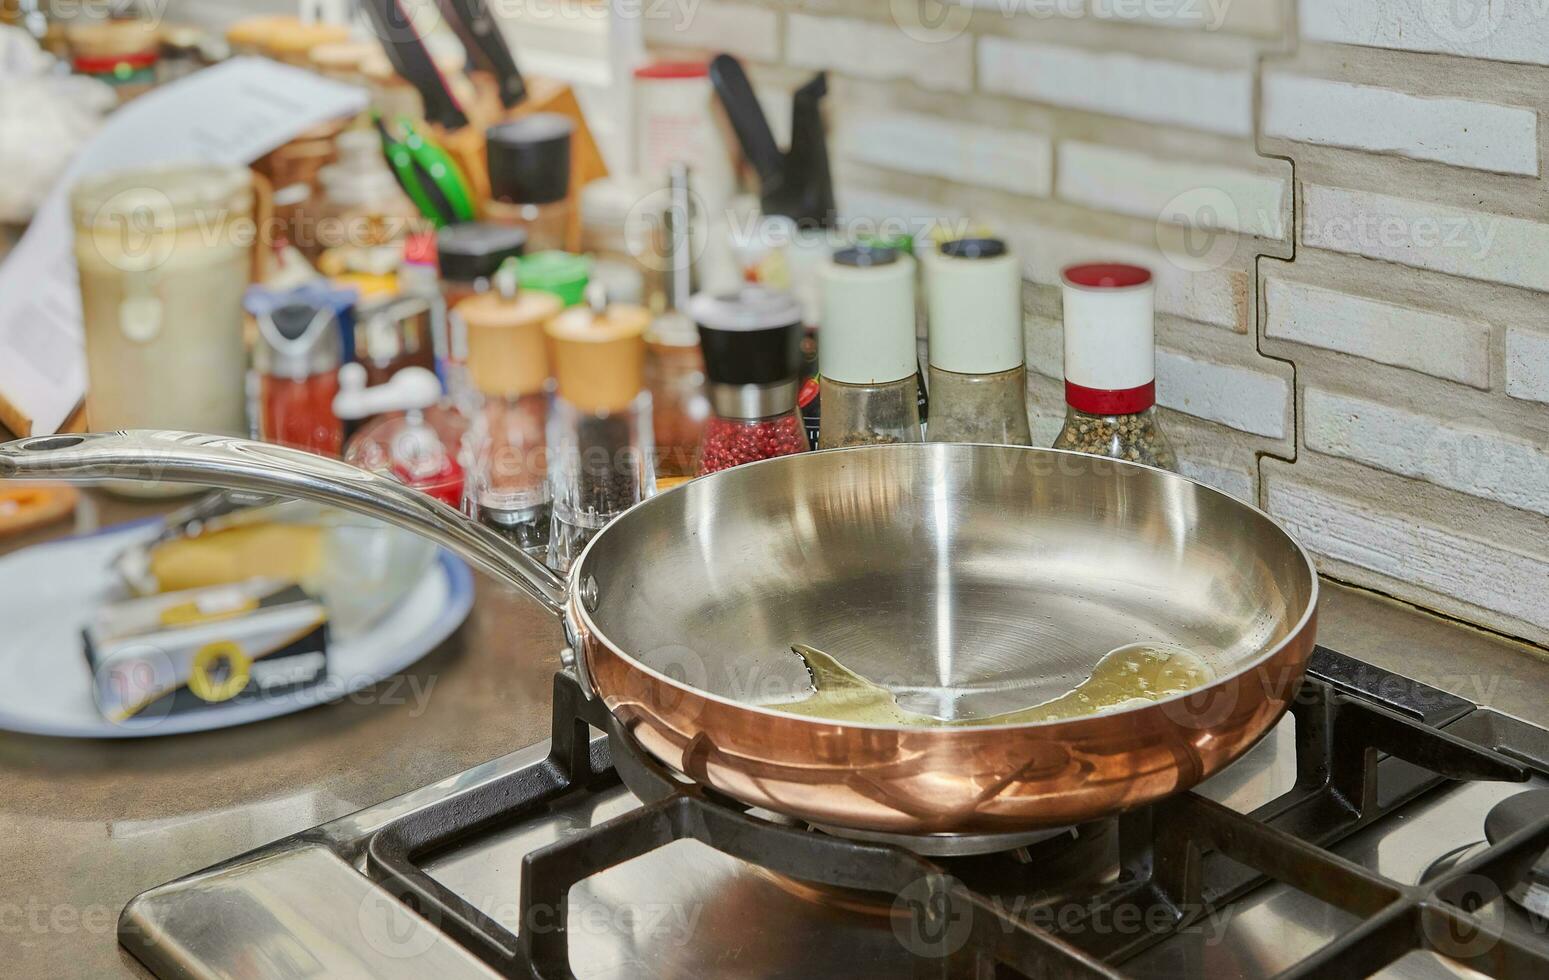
(969, 579)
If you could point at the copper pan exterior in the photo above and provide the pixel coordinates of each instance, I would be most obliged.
(974, 579)
(954, 780)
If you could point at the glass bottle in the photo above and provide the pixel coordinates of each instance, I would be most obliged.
(675, 367)
(468, 255)
(403, 432)
(529, 176)
(601, 447)
(752, 347)
(507, 445)
(296, 359)
(868, 352)
(978, 379)
(1110, 365)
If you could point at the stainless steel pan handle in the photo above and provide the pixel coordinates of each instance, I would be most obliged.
(240, 464)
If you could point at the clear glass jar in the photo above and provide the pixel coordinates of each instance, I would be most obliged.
(675, 374)
(869, 415)
(507, 460)
(547, 225)
(1136, 438)
(163, 257)
(600, 465)
(418, 448)
(984, 408)
(731, 442)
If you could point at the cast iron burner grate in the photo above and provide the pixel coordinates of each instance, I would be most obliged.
(1367, 742)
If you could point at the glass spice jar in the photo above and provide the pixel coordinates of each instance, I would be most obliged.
(1110, 365)
(752, 348)
(507, 448)
(601, 447)
(867, 349)
(467, 257)
(296, 359)
(529, 177)
(403, 432)
(978, 378)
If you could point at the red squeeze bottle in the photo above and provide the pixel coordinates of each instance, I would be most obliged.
(297, 360)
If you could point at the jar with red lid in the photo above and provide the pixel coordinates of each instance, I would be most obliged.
(1110, 365)
(751, 340)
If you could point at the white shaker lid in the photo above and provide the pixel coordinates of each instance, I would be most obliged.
(1110, 340)
(974, 294)
(867, 332)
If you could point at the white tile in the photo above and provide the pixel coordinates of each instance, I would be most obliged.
(1216, 296)
(1475, 244)
(1398, 546)
(748, 32)
(1238, 483)
(998, 157)
(868, 49)
(1461, 132)
(1243, 399)
(1432, 343)
(1502, 30)
(1219, 100)
(1045, 339)
(1477, 459)
(1130, 182)
(1527, 365)
(1262, 17)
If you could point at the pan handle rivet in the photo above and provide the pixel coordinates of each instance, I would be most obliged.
(589, 594)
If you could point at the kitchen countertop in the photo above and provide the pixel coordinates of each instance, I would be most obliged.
(89, 824)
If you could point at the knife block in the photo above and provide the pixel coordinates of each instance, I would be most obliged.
(466, 145)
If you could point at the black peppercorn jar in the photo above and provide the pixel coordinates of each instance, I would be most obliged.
(867, 349)
(978, 380)
(751, 341)
(1110, 365)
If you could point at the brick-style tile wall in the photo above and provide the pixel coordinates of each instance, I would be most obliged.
(1342, 204)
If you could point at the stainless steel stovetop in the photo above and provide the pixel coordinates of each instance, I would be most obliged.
(1175, 890)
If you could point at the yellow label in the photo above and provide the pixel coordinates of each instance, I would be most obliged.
(220, 671)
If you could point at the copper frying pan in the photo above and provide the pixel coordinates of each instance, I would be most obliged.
(971, 580)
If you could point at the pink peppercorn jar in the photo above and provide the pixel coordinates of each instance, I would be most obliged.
(751, 340)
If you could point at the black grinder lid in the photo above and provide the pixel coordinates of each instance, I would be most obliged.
(529, 158)
(476, 249)
(751, 336)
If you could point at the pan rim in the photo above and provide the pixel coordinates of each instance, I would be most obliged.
(591, 629)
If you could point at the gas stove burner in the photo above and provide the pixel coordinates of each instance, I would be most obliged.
(953, 845)
(1506, 818)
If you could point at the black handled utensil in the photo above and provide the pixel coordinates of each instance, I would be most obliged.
(796, 183)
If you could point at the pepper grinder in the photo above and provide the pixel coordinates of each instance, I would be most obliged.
(506, 448)
(601, 448)
(867, 349)
(978, 372)
(751, 340)
(1110, 365)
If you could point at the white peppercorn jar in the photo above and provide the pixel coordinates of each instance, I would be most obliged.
(1110, 365)
(867, 351)
(978, 379)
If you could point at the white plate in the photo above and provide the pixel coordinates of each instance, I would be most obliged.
(47, 593)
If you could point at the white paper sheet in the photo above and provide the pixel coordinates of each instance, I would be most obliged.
(232, 113)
